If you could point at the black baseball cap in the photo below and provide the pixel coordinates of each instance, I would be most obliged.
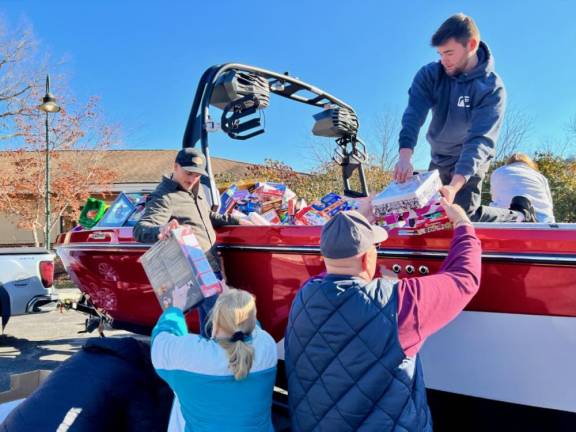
(192, 160)
(349, 234)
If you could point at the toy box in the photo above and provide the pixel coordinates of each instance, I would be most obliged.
(179, 271)
(414, 193)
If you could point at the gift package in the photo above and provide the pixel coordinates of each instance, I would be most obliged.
(92, 212)
(269, 203)
(413, 207)
(432, 217)
(415, 193)
(179, 271)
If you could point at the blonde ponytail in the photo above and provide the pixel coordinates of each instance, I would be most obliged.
(240, 357)
(235, 314)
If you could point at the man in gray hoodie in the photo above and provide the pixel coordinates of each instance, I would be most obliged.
(467, 99)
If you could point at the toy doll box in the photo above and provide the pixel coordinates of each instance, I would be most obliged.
(415, 193)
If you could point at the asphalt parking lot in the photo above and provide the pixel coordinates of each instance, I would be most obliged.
(43, 340)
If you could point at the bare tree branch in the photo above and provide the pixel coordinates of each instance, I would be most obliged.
(515, 132)
(387, 130)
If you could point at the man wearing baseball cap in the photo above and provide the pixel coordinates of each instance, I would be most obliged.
(180, 200)
(352, 341)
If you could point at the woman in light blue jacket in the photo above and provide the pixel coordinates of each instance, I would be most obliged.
(224, 383)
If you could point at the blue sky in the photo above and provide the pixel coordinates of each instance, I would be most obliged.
(144, 59)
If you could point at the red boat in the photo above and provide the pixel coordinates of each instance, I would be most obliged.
(507, 359)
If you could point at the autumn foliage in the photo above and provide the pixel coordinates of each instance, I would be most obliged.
(77, 138)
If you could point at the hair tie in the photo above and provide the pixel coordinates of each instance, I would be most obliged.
(240, 336)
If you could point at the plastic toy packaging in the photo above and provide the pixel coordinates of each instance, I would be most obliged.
(413, 194)
(269, 203)
(332, 204)
(432, 217)
(412, 207)
(179, 271)
(310, 216)
(92, 212)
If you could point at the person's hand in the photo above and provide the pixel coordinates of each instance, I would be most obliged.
(165, 229)
(225, 287)
(455, 213)
(449, 193)
(403, 170)
(179, 296)
(365, 207)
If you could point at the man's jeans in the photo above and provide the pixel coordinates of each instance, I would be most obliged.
(204, 309)
(469, 198)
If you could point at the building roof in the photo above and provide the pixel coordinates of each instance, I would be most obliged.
(141, 166)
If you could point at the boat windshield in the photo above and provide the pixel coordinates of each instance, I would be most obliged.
(124, 211)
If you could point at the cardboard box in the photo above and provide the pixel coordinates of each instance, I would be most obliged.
(227, 201)
(432, 217)
(272, 217)
(23, 385)
(178, 267)
(413, 194)
(311, 217)
(332, 204)
(258, 219)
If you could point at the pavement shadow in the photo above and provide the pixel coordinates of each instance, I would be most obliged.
(19, 355)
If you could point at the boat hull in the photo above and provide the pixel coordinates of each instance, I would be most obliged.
(501, 348)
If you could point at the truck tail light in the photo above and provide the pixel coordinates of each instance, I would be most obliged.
(47, 273)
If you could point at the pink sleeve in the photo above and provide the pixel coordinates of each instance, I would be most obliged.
(428, 303)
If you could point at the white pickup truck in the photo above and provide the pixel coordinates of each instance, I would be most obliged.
(26, 281)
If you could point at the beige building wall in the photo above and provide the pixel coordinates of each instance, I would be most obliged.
(10, 235)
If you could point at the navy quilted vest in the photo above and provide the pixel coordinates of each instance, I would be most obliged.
(346, 369)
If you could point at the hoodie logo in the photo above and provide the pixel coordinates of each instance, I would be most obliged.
(464, 101)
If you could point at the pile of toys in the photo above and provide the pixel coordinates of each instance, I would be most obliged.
(268, 203)
(413, 207)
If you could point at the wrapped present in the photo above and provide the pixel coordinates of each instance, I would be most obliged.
(414, 193)
(179, 271)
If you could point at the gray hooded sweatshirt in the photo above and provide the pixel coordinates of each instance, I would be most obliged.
(467, 111)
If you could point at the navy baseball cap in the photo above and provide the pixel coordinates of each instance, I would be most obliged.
(192, 160)
(349, 234)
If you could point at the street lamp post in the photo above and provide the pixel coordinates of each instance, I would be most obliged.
(49, 105)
